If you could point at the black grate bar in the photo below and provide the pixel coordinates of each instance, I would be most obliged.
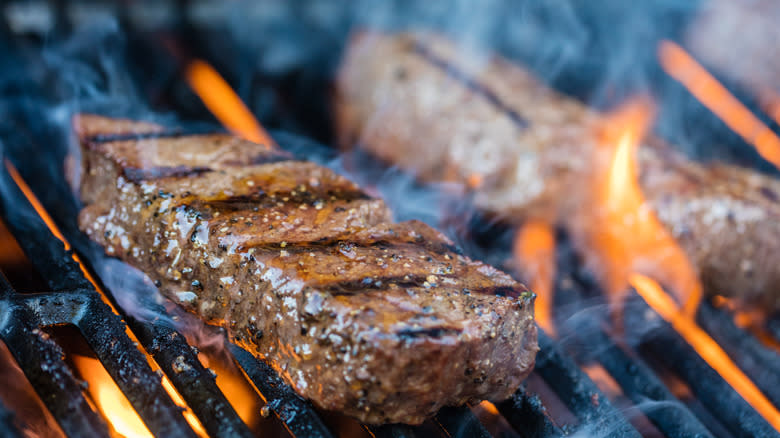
(391, 431)
(640, 384)
(756, 360)
(42, 362)
(194, 382)
(637, 381)
(595, 413)
(297, 414)
(460, 422)
(773, 325)
(528, 416)
(663, 342)
(7, 427)
(44, 250)
(104, 332)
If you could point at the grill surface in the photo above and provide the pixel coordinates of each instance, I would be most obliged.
(560, 399)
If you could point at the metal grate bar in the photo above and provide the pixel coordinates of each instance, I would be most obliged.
(297, 414)
(391, 431)
(42, 362)
(193, 381)
(528, 416)
(579, 393)
(711, 390)
(636, 379)
(640, 384)
(756, 360)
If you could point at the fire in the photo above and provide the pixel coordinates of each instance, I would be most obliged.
(489, 407)
(187, 413)
(681, 66)
(237, 389)
(534, 253)
(624, 235)
(224, 103)
(705, 346)
(752, 320)
(47, 219)
(109, 400)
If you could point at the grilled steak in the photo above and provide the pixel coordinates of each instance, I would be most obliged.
(423, 104)
(383, 321)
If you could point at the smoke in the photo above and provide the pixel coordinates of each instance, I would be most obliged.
(86, 72)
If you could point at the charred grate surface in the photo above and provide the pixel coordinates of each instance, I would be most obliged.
(579, 393)
(757, 361)
(520, 408)
(711, 390)
(590, 342)
(41, 360)
(296, 413)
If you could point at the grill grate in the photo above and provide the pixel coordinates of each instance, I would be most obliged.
(72, 299)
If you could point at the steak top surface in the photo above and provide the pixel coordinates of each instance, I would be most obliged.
(384, 321)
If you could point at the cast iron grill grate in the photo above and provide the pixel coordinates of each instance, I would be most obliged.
(71, 299)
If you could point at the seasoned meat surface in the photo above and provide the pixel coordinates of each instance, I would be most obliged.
(526, 151)
(383, 321)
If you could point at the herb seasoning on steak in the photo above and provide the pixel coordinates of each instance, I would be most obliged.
(383, 321)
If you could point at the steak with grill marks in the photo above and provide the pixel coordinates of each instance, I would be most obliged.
(446, 114)
(383, 321)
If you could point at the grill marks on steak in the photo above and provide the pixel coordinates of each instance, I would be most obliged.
(383, 321)
(408, 107)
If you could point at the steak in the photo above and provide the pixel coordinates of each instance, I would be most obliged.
(524, 151)
(383, 321)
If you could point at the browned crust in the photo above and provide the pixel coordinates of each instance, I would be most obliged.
(383, 321)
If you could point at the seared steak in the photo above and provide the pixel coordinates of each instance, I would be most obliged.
(419, 102)
(383, 321)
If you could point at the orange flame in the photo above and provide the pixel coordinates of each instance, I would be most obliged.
(489, 407)
(752, 320)
(104, 382)
(47, 219)
(534, 254)
(705, 346)
(625, 234)
(237, 389)
(224, 103)
(681, 66)
(109, 399)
